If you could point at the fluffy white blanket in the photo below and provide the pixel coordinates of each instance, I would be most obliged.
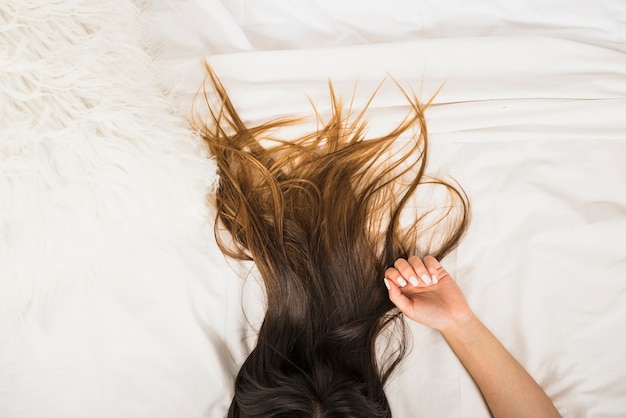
(102, 218)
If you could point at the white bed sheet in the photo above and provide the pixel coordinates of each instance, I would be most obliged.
(115, 300)
(201, 27)
(534, 129)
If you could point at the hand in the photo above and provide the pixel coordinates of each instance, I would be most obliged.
(426, 293)
(437, 302)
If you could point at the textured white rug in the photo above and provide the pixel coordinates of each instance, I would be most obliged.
(91, 153)
(102, 218)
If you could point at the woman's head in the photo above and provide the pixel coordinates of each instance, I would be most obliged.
(317, 389)
(322, 216)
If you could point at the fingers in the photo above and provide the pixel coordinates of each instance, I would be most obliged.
(410, 277)
(412, 272)
(436, 270)
(420, 269)
(394, 275)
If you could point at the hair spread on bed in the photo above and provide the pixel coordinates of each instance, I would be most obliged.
(320, 216)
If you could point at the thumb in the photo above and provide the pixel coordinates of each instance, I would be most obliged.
(398, 298)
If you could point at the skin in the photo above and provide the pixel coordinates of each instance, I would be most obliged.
(425, 292)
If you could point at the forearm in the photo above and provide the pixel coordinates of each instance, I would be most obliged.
(507, 388)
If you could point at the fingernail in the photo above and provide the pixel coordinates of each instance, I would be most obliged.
(402, 282)
(426, 278)
(413, 281)
(435, 279)
(386, 283)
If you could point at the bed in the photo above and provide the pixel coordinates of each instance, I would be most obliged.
(114, 298)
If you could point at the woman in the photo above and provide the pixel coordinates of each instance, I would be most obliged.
(323, 217)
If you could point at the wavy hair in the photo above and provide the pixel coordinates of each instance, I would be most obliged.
(321, 217)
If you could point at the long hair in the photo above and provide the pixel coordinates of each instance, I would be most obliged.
(320, 216)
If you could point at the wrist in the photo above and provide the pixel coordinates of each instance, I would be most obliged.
(460, 323)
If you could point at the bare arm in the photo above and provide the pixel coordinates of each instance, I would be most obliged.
(438, 302)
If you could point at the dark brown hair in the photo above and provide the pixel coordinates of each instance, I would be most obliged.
(320, 215)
